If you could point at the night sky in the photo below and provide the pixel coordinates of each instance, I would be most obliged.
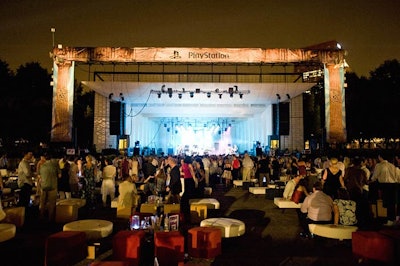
(368, 29)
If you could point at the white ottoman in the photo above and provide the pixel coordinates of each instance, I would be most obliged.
(286, 204)
(229, 227)
(94, 228)
(210, 202)
(330, 231)
(7, 231)
(237, 183)
(257, 190)
(72, 201)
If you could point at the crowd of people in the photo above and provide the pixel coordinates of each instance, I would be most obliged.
(343, 186)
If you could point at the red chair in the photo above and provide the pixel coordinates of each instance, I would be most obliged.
(65, 248)
(169, 248)
(204, 242)
(126, 246)
(372, 246)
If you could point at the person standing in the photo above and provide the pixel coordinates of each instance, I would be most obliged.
(25, 180)
(49, 173)
(332, 179)
(190, 183)
(248, 166)
(207, 164)
(108, 183)
(385, 173)
(89, 173)
(263, 170)
(174, 187)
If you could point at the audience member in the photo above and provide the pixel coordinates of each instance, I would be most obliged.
(290, 187)
(332, 179)
(385, 174)
(25, 180)
(49, 173)
(318, 208)
(174, 187)
(108, 183)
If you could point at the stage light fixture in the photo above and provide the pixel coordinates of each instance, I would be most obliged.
(180, 95)
(278, 96)
(220, 95)
(208, 94)
(197, 90)
(159, 95)
(121, 96)
(110, 96)
(191, 94)
(288, 96)
(241, 95)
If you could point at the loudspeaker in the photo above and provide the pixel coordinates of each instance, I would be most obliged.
(117, 121)
(281, 119)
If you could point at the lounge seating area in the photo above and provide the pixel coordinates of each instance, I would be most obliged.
(245, 226)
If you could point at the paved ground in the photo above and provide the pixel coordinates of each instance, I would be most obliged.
(271, 238)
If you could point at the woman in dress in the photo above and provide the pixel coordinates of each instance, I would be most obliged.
(227, 173)
(332, 179)
(190, 182)
(89, 173)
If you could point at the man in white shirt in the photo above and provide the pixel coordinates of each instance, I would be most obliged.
(385, 173)
(319, 208)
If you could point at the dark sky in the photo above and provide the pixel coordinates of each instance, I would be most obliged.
(368, 29)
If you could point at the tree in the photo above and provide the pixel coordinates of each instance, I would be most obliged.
(30, 115)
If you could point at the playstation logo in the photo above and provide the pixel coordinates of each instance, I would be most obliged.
(175, 55)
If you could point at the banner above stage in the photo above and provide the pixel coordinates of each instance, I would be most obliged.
(194, 55)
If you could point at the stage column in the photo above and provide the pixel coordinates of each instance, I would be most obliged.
(63, 98)
(335, 113)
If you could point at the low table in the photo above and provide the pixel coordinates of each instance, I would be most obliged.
(229, 227)
(94, 228)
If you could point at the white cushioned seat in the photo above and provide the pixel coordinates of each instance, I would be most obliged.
(257, 190)
(7, 231)
(286, 204)
(229, 227)
(94, 228)
(330, 231)
(72, 201)
(210, 202)
(238, 183)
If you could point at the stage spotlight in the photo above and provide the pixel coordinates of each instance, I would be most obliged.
(180, 95)
(191, 94)
(217, 90)
(241, 95)
(208, 94)
(236, 88)
(159, 95)
(278, 96)
(197, 90)
(163, 88)
(288, 96)
(220, 95)
(110, 96)
(121, 96)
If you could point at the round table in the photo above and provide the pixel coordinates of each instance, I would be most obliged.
(94, 228)
(229, 227)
